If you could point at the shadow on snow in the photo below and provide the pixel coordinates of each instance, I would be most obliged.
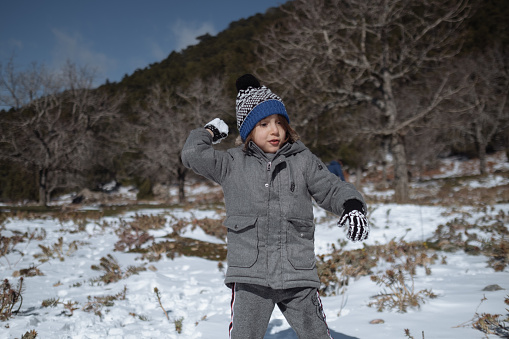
(290, 334)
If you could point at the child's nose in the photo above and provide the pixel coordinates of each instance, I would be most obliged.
(274, 129)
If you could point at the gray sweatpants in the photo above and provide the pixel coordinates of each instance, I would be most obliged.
(252, 306)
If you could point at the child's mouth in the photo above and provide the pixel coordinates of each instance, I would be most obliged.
(274, 142)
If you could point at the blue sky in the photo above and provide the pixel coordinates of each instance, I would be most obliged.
(115, 37)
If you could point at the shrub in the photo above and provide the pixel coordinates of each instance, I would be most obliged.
(212, 227)
(97, 303)
(178, 324)
(129, 240)
(409, 335)
(50, 302)
(459, 234)
(360, 262)
(8, 244)
(113, 271)
(145, 190)
(71, 307)
(31, 271)
(185, 246)
(135, 233)
(158, 295)
(497, 251)
(56, 250)
(490, 323)
(397, 294)
(30, 335)
(9, 298)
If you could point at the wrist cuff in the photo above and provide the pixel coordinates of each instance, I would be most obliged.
(215, 131)
(354, 204)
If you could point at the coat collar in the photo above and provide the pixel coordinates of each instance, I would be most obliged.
(285, 151)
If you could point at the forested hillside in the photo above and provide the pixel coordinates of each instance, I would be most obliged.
(360, 81)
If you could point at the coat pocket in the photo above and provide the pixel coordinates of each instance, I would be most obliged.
(300, 244)
(242, 240)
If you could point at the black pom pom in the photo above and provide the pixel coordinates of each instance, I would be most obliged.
(245, 81)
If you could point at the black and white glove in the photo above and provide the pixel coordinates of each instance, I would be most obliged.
(354, 217)
(219, 128)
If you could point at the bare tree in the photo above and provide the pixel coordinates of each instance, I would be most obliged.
(337, 53)
(53, 130)
(423, 144)
(10, 86)
(167, 118)
(487, 75)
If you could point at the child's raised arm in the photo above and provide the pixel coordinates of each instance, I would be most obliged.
(199, 155)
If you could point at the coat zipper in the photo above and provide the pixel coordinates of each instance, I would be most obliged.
(292, 183)
(269, 166)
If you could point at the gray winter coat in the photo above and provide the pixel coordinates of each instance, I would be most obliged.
(269, 209)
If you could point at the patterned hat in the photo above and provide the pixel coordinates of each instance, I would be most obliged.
(254, 103)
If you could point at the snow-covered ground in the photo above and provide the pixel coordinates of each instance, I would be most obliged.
(192, 292)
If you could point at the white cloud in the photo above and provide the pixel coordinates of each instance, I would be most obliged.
(186, 32)
(74, 48)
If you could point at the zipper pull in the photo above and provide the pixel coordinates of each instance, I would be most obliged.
(269, 164)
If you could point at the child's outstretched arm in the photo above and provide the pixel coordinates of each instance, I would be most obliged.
(340, 198)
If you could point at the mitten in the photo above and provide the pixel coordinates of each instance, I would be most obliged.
(354, 216)
(219, 128)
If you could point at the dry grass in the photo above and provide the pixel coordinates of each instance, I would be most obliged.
(132, 235)
(460, 234)
(487, 323)
(398, 292)
(32, 334)
(112, 270)
(57, 250)
(337, 268)
(213, 227)
(98, 303)
(185, 246)
(10, 297)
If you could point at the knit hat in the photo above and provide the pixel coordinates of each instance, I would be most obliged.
(254, 103)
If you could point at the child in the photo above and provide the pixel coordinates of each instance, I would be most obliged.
(335, 167)
(268, 187)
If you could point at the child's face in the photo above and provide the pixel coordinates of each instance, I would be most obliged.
(269, 133)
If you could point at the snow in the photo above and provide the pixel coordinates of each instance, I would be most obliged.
(191, 289)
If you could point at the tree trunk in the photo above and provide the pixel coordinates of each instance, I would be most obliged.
(397, 143)
(400, 169)
(358, 176)
(43, 196)
(482, 159)
(181, 173)
(384, 174)
(481, 149)
(386, 151)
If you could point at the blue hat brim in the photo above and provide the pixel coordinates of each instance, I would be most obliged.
(259, 112)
